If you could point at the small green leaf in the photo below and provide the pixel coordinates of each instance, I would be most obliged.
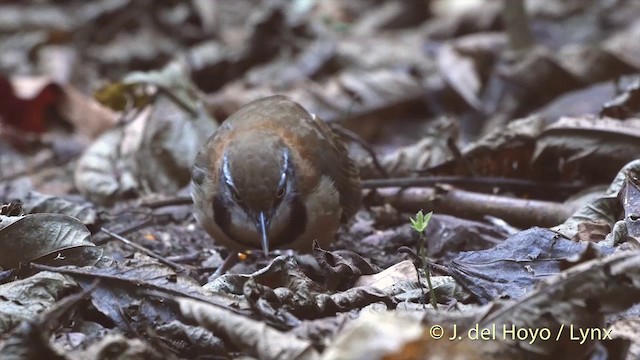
(427, 218)
(421, 221)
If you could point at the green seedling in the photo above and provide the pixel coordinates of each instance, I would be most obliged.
(419, 224)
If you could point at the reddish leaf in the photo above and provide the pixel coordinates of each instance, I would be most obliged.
(28, 115)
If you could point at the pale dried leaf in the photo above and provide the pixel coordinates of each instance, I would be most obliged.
(401, 271)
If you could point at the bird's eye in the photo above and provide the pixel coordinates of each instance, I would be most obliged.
(280, 193)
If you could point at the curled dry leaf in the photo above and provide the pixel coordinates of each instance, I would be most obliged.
(24, 299)
(284, 288)
(342, 267)
(47, 238)
(170, 142)
(588, 147)
(155, 151)
(253, 337)
(172, 79)
(448, 235)
(35, 202)
(603, 211)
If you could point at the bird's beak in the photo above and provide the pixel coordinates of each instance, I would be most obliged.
(263, 227)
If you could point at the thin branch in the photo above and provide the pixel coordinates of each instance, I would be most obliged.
(470, 205)
(148, 252)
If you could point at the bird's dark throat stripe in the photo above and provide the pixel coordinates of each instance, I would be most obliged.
(297, 224)
(296, 227)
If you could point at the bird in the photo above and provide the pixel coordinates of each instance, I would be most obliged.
(274, 176)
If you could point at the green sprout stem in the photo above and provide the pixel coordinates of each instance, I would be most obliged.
(419, 224)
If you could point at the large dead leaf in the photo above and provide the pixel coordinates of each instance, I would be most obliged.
(512, 268)
(47, 238)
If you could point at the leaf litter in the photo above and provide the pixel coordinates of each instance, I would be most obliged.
(527, 159)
